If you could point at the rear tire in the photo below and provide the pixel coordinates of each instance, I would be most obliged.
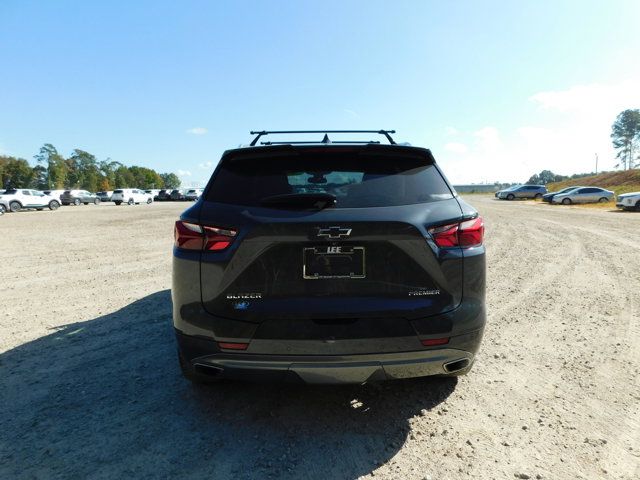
(15, 207)
(603, 200)
(53, 205)
(96, 201)
(511, 196)
(638, 206)
(149, 201)
(117, 202)
(566, 201)
(2, 209)
(40, 209)
(538, 196)
(130, 202)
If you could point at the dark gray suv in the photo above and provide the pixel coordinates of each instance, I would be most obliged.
(328, 262)
(522, 191)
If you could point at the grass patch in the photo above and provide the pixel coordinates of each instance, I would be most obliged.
(620, 182)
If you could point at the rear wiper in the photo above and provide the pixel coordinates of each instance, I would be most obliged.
(301, 200)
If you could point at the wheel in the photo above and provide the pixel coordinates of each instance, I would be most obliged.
(566, 201)
(96, 201)
(117, 202)
(511, 196)
(2, 209)
(15, 207)
(76, 202)
(53, 205)
(538, 196)
(638, 206)
(130, 202)
(603, 200)
(39, 209)
(192, 375)
(149, 201)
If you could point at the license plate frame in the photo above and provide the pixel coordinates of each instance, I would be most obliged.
(311, 256)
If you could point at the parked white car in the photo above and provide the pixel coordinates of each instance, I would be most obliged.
(130, 196)
(629, 201)
(193, 194)
(54, 194)
(14, 200)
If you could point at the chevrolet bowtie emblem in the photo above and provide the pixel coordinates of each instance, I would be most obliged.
(334, 232)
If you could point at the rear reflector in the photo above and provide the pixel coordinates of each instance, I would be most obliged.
(191, 236)
(430, 342)
(233, 346)
(469, 233)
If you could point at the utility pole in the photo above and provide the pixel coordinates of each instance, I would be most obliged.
(596, 163)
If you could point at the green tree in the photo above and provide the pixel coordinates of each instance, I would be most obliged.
(544, 177)
(15, 172)
(124, 178)
(55, 165)
(170, 180)
(625, 134)
(85, 171)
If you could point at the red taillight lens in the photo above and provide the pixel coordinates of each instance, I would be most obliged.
(469, 233)
(191, 236)
(431, 342)
(188, 236)
(233, 346)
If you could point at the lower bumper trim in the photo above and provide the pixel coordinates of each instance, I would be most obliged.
(336, 370)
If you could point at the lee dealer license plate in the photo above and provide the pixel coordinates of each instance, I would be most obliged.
(333, 262)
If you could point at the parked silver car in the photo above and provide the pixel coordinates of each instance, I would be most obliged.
(522, 191)
(584, 195)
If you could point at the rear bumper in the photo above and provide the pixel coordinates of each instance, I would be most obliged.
(206, 358)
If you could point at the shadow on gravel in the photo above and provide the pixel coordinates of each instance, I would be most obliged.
(104, 399)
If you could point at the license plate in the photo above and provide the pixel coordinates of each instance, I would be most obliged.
(333, 262)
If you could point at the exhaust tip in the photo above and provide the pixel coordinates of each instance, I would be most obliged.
(456, 365)
(208, 370)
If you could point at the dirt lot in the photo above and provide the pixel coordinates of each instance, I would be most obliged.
(90, 388)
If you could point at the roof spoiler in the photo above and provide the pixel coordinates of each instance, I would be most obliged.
(325, 139)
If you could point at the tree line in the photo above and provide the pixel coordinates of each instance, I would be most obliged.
(625, 136)
(81, 170)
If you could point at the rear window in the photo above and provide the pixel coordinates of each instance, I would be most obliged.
(117, 191)
(355, 180)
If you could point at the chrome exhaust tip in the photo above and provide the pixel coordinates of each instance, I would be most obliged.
(208, 370)
(456, 365)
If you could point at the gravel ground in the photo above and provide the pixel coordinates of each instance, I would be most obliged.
(90, 387)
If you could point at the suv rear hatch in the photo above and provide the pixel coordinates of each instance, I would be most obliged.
(328, 233)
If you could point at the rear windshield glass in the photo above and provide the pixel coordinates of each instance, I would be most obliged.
(117, 191)
(355, 180)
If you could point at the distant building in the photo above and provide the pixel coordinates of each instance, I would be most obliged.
(483, 188)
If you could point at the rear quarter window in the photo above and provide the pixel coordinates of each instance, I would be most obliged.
(355, 180)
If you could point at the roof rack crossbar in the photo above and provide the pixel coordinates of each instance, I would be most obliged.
(312, 142)
(262, 133)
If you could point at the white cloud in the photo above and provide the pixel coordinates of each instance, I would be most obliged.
(184, 173)
(454, 147)
(197, 131)
(205, 165)
(563, 133)
(351, 113)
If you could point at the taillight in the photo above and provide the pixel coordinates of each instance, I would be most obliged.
(432, 342)
(469, 233)
(233, 346)
(191, 236)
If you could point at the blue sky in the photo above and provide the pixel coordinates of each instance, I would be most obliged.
(497, 90)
